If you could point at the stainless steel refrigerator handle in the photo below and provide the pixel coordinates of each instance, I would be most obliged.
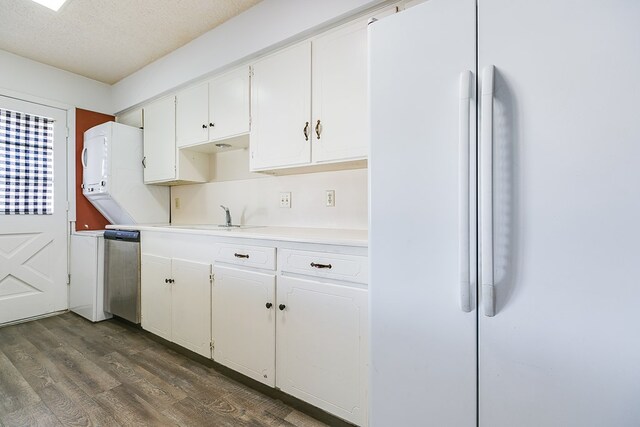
(83, 157)
(464, 135)
(486, 190)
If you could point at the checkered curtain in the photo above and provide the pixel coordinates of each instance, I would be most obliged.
(26, 164)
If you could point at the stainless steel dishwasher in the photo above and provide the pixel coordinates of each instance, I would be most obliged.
(122, 274)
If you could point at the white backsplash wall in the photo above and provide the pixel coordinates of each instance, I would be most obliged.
(254, 199)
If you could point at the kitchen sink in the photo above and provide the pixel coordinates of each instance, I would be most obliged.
(215, 227)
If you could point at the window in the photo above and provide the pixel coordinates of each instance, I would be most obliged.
(26, 164)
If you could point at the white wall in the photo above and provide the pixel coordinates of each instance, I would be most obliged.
(254, 198)
(19, 75)
(270, 23)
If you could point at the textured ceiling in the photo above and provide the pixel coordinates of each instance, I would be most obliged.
(106, 40)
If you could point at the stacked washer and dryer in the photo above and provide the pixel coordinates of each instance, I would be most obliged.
(105, 264)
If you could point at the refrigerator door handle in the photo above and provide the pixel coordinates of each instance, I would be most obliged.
(486, 190)
(83, 157)
(464, 135)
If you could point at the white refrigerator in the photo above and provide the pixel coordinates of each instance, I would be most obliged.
(504, 214)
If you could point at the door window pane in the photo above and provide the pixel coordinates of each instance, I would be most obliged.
(26, 164)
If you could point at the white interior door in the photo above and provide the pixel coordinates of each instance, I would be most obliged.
(423, 325)
(33, 247)
(563, 348)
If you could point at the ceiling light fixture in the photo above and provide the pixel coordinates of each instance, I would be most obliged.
(54, 5)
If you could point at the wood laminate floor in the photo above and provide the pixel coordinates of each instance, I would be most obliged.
(64, 370)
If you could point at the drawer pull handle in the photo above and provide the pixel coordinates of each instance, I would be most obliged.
(315, 265)
(282, 307)
(268, 305)
(237, 255)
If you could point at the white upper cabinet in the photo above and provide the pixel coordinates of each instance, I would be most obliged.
(281, 109)
(159, 140)
(229, 100)
(322, 82)
(214, 110)
(192, 116)
(339, 86)
(163, 163)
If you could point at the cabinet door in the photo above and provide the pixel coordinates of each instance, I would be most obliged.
(159, 140)
(281, 109)
(563, 348)
(340, 109)
(322, 345)
(422, 342)
(243, 315)
(229, 99)
(191, 322)
(156, 295)
(192, 115)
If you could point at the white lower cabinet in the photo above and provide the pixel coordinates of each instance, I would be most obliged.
(243, 317)
(175, 301)
(322, 345)
(289, 318)
(191, 308)
(155, 292)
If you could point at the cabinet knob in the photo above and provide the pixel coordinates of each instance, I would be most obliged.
(212, 125)
(166, 280)
(282, 307)
(204, 126)
(268, 305)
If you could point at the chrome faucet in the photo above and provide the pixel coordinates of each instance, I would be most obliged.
(228, 216)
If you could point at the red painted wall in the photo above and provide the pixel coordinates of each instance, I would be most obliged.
(87, 217)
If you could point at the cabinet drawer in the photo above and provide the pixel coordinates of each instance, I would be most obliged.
(252, 256)
(350, 268)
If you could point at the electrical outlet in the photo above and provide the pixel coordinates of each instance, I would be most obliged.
(177, 202)
(330, 198)
(285, 200)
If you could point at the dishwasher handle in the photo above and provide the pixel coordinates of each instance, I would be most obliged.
(122, 235)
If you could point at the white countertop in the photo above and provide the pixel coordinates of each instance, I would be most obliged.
(290, 234)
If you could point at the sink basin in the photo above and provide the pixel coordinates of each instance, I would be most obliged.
(215, 227)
